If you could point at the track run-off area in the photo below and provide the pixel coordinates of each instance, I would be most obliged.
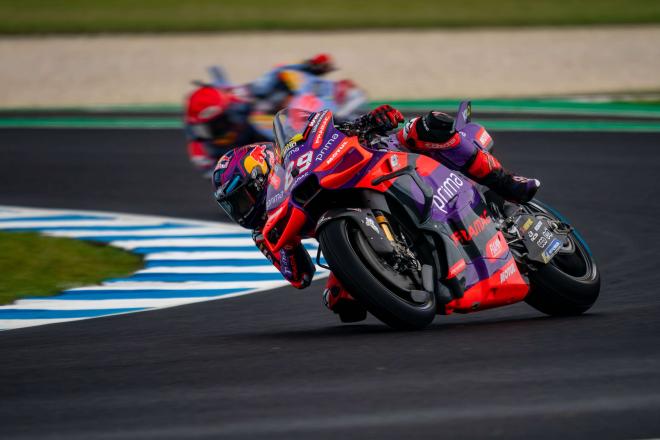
(277, 364)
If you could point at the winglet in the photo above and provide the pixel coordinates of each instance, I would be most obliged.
(464, 115)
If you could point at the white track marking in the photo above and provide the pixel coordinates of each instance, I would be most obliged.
(184, 285)
(97, 304)
(210, 269)
(183, 242)
(69, 223)
(164, 232)
(204, 255)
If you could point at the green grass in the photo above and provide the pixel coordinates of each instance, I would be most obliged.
(35, 265)
(92, 16)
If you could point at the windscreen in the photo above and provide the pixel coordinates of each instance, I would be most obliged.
(289, 124)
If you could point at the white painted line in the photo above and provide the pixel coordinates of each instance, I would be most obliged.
(206, 255)
(214, 269)
(185, 285)
(69, 223)
(210, 269)
(164, 232)
(99, 304)
(183, 242)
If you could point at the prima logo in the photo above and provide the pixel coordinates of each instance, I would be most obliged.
(447, 191)
(326, 147)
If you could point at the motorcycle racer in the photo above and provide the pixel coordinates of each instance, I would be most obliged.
(241, 178)
(217, 118)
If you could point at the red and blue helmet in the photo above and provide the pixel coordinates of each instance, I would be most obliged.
(240, 180)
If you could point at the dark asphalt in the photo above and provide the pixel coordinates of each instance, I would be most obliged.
(278, 365)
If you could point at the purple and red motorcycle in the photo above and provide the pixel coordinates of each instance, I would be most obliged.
(410, 238)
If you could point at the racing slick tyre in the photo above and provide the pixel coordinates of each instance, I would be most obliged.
(387, 294)
(570, 283)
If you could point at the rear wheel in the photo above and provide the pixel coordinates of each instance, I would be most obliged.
(395, 297)
(570, 283)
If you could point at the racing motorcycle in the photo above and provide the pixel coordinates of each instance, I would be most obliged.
(410, 238)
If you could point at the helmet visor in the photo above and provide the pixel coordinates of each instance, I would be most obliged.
(240, 202)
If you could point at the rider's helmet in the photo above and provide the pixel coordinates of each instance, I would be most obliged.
(215, 115)
(320, 64)
(240, 180)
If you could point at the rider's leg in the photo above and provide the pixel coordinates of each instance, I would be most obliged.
(337, 299)
(434, 135)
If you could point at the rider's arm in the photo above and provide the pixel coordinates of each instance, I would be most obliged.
(380, 120)
(294, 263)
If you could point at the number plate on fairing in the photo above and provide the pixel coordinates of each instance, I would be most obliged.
(541, 242)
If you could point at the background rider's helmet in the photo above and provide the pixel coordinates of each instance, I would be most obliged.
(320, 64)
(212, 113)
(240, 180)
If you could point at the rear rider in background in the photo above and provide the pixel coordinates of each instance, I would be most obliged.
(217, 119)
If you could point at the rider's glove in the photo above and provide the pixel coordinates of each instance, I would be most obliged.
(296, 266)
(384, 118)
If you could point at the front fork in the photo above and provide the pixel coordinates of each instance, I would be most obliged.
(384, 225)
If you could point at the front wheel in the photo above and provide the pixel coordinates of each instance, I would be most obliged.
(389, 295)
(570, 283)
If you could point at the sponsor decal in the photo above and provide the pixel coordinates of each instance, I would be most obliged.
(329, 143)
(255, 160)
(456, 268)
(275, 200)
(484, 138)
(293, 142)
(394, 162)
(495, 246)
(408, 127)
(338, 151)
(224, 161)
(372, 224)
(528, 224)
(552, 249)
(315, 119)
(508, 272)
(320, 132)
(538, 226)
(463, 236)
(446, 191)
(451, 143)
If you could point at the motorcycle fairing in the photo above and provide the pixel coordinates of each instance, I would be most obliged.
(477, 254)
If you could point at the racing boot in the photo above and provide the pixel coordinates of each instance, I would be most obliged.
(337, 299)
(488, 171)
(434, 135)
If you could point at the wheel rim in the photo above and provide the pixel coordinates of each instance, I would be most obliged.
(573, 258)
(398, 283)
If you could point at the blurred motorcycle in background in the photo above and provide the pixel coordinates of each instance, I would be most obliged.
(221, 115)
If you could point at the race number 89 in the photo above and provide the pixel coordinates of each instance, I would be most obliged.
(302, 164)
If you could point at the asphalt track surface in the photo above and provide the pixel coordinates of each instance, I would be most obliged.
(278, 365)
